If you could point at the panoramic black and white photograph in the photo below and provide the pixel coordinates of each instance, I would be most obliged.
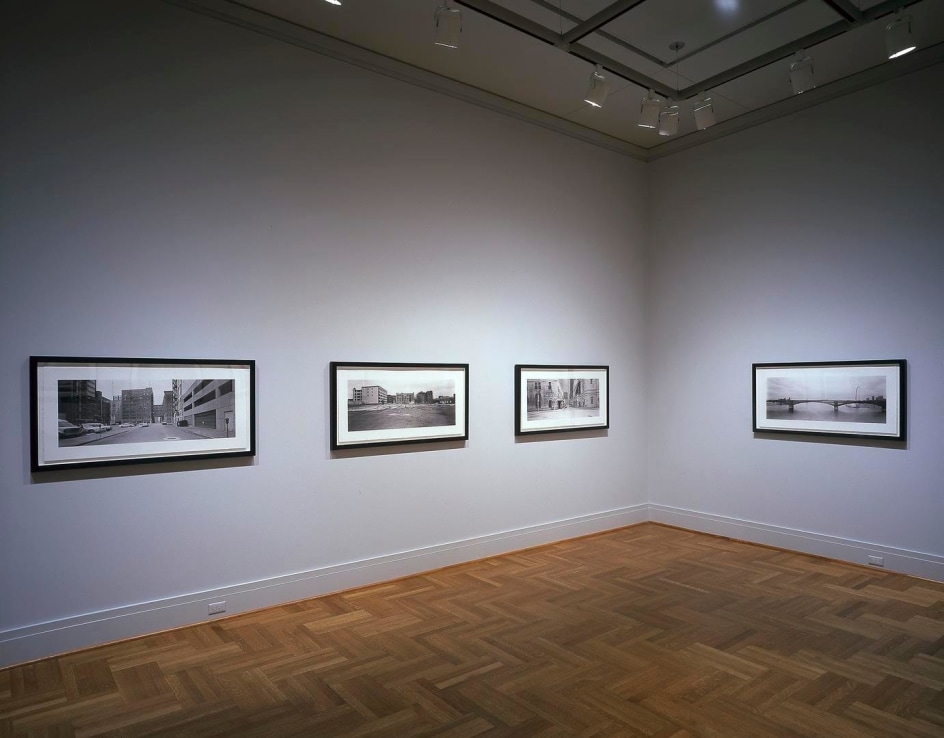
(555, 398)
(90, 411)
(109, 412)
(858, 398)
(377, 404)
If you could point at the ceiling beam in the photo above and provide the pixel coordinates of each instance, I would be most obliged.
(570, 17)
(600, 19)
(846, 9)
(514, 20)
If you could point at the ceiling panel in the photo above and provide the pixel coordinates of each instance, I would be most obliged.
(652, 26)
(776, 31)
(623, 53)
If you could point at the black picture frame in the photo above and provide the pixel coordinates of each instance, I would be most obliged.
(406, 403)
(847, 399)
(206, 410)
(557, 398)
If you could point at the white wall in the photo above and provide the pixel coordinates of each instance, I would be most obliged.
(173, 186)
(817, 237)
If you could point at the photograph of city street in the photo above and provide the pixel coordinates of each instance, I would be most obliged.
(861, 398)
(382, 403)
(112, 412)
(87, 412)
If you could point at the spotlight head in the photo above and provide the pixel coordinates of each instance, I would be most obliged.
(801, 74)
(704, 112)
(898, 38)
(649, 111)
(448, 26)
(599, 88)
(668, 119)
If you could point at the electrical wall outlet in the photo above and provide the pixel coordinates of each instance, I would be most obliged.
(876, 560)
(215, 608)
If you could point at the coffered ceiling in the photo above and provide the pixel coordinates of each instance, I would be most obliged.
(534, 58)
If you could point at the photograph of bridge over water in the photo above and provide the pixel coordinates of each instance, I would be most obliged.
(858, 398)
(376, 404)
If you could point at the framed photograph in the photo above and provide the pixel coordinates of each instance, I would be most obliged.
(377, 404)
(88, 412)
(552, 399)
(855, 399)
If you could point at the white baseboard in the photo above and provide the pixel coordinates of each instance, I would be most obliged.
(903, 561)
(27, 643)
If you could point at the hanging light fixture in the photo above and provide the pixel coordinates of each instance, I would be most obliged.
(649, 111)
(898, 38)
(448, 25)
(333, 2)
(801, 73)
(669, 114)
(668, 119)
(599, 88)
(704, 112)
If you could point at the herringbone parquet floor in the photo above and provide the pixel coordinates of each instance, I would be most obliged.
(645, 631)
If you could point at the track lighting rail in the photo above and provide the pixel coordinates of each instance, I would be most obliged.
(852, 17)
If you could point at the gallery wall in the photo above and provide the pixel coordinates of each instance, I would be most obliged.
(816, 237)
(173, 186)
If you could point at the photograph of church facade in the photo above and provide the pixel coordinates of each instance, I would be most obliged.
(563, 393)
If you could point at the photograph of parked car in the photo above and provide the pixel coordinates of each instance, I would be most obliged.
(67, 430)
